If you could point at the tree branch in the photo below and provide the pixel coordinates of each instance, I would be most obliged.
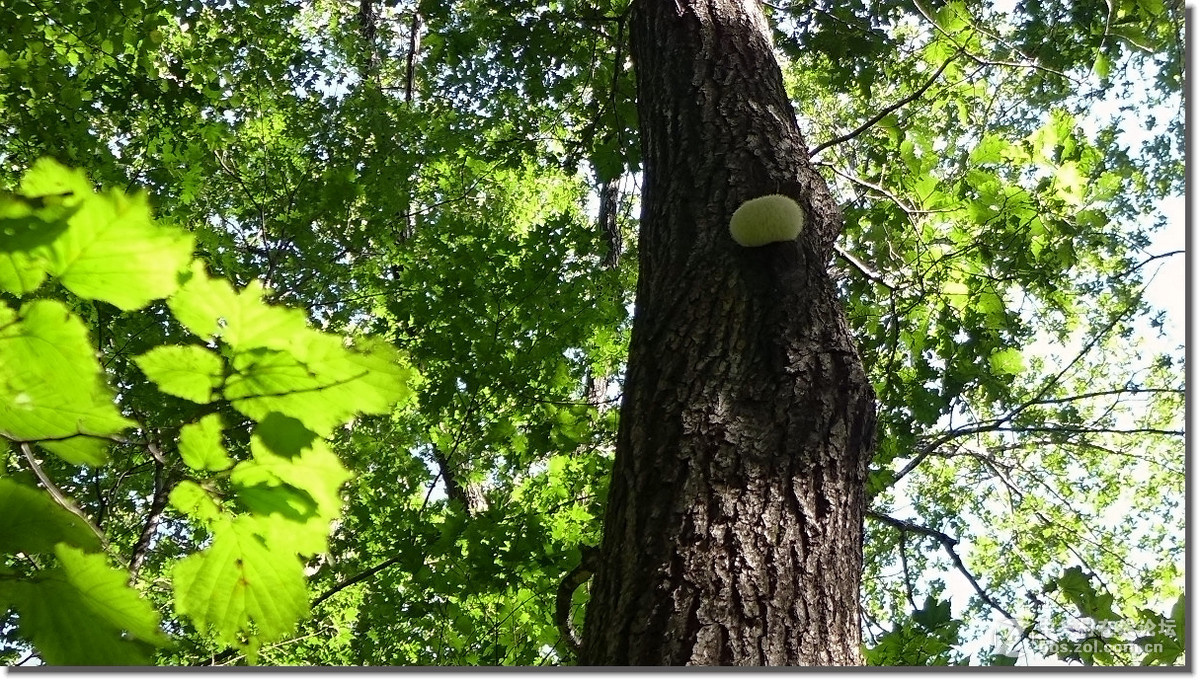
(414, 44)
(886, 110)
(866, 271)
(566, 591)
(57, 494)
(1031, 63)
(158, 504)
(998, 424)
(351, 581)
(948, 543)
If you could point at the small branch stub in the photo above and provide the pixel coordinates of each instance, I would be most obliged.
(765, 220)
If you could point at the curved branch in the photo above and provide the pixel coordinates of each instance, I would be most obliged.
(355, 579)
(867, 272)
(948, 543)
(158, 504)
(57, 494)
(566, 591)
(886, 110)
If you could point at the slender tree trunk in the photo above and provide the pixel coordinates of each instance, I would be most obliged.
(734, 527)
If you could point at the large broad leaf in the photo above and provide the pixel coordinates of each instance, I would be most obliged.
(279, 364)
(239, 589)
(111, 249)
(28, 225)
(200, 445)
(191, 372)
(114, 252)
(32, 219)
(47, 177)
(20, 272)
(34, 523)
(1008, 361)
(84, 612)
(81, 449)
(192, 500)
(294, 496)
(50, 383)
(322, 383)
(210, 308)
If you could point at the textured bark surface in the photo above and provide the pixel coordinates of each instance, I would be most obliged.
(734, 528)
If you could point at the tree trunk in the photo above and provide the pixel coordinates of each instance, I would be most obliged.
(734, 526)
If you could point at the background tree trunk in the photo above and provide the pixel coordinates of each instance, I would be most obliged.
(734, 525)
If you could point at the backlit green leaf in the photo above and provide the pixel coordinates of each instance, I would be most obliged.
(1008, 361)
(200, 445)
(84, 613)
(50, 383)
(210, 308)
(191, 371)
(34, 523)
(240, 590)
(323, 384)
(192, 500)
(303, 490)
(113, 251)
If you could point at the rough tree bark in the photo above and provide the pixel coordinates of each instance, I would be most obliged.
(734, 527)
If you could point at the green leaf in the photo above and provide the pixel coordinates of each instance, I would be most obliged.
(191, 371)
(20, 273)
(111, 249)
(30, 224)
(284, 435)
(998, 660)
(1071, 184)
(47, 177)
(991, 149)
(958, 294)
(84, 612)
(239, 589)
(200, 445)
(50, 383)
(1076, 585)
(934, 615)
(192, 500)
(1102, 65)
(1164, 639)
(1008, 361)
(303, 491)
(282, 365)
(992, 305)
(114, 252)
(323, 384)
(79, 450)
(210, 308)
(108, 594)
(34, 523)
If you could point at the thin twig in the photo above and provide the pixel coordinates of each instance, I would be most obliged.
(351, 581)
(998, 424)
(948, 543)
(866, 271)
(886, 110)
(1031, 63)
(56, 493)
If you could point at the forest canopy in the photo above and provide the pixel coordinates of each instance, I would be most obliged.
(314, 318)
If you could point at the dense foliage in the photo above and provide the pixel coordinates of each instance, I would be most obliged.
(367, 323)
